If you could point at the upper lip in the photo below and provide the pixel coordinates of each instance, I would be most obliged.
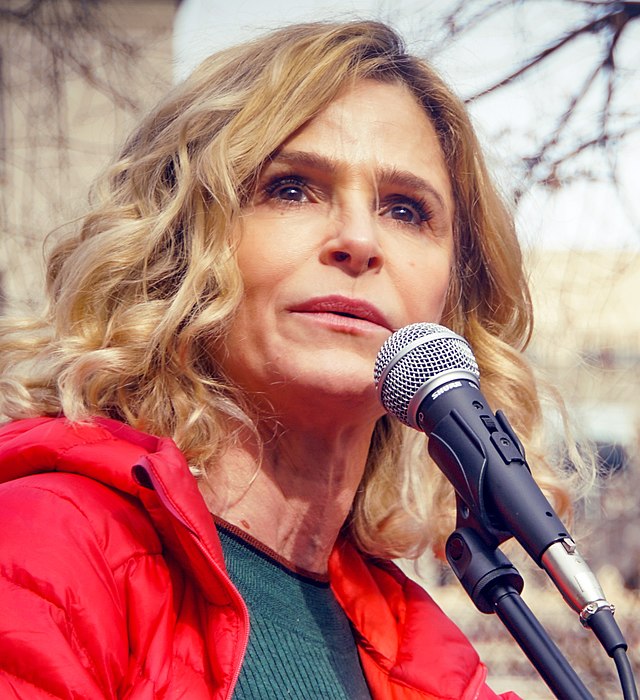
(345, 306)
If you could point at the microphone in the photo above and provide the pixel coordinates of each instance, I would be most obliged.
(427, 376)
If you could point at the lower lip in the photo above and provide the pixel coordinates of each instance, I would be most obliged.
(344, 324)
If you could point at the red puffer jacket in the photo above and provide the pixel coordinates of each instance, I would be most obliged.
(113, 585)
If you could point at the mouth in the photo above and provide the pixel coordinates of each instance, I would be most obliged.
(344, 311)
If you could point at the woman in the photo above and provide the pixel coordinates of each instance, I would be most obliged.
(262, 233)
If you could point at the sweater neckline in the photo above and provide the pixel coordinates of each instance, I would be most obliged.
(269, 554)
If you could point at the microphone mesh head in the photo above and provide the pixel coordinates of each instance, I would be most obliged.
(412, 357)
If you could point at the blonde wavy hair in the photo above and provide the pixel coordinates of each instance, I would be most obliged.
(138, 292)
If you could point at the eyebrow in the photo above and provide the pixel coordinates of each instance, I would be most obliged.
(384, 175)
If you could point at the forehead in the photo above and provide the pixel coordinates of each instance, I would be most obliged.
(376, 126)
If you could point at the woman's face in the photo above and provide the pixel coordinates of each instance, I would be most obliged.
(348, 237)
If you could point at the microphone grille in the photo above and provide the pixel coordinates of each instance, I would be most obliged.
(412, 357)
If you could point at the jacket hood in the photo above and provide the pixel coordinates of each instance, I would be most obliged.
(151, 469)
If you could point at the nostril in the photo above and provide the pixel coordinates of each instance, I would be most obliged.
(340, 256)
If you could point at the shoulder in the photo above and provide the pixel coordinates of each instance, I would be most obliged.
(71, 542)
(404, 636)
(378, 589)
(64, 542)
(75, 510)
(76, 558)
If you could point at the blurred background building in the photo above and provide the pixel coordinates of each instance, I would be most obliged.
(587, 338)
(76, 75)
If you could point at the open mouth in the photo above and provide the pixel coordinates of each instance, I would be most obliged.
(348, 315)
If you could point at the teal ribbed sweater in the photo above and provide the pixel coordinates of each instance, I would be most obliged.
(300, 642)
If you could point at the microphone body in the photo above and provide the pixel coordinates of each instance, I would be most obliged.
(482, 458)
(427, 377)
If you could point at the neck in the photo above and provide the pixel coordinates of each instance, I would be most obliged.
(294, 494)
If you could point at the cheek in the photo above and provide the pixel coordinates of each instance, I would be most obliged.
(425, 287)
(260, 267)
(270, 251)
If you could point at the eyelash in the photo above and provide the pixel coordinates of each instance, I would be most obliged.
(419, 206)
(279, 182)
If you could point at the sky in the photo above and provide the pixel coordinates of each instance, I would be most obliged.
(587, 215)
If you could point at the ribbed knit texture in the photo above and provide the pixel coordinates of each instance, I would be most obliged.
(300, 643)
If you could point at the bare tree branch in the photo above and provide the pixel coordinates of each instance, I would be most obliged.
(589, 120)
(62, 28)
(72, 74)
(616, 19)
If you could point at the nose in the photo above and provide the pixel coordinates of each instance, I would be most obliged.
(354, 245)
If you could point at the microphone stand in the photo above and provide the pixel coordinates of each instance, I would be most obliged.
(494, 585)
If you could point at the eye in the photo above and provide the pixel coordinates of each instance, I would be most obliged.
(407, 211)
(288, 189)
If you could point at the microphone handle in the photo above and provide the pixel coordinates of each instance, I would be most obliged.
(484, 461)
